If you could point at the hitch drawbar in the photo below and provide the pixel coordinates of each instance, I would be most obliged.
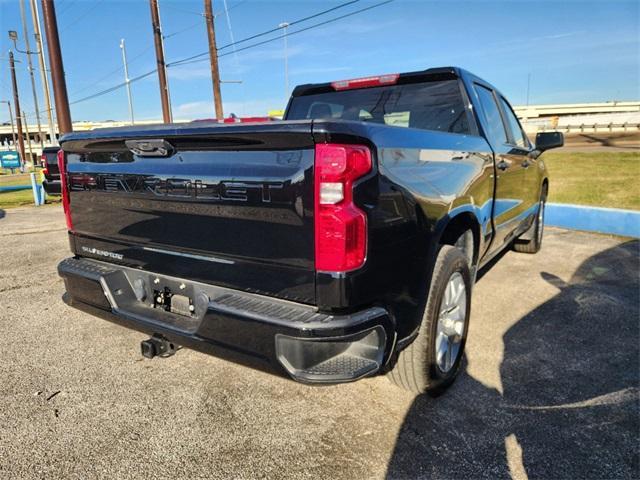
(158, 346)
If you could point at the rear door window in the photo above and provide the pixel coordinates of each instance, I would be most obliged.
(493, 119)
(517, 134)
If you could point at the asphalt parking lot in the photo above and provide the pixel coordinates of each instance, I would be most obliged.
(549, 389)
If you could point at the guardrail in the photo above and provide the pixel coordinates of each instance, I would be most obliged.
(595, 126)
(536, 126)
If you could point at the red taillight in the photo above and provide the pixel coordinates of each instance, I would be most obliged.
(340, 226)
(64, 186)
(43, 162)
(366, 82)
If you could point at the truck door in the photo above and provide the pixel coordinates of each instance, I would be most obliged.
(521, 151)
(509, 203)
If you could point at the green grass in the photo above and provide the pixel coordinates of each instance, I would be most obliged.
(20, 197)
(18, 179)
(6, 171)
(16, 199)
(601, 179)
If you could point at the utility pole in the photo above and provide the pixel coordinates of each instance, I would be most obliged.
(28, 52)
(528, 86)
(16, 103)
(162, 67)
(126, 77)
(57, 69)
(26, 130)
(285, 25)
(213, 57)
(13, 131)
(35, 16)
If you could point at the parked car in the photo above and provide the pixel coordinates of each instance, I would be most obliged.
(50, 171)
(327, 247)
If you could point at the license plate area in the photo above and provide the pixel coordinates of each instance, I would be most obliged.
(170, 302)
(176, 303)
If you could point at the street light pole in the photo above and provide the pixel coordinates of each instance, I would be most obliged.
(35, 16)
(285, 25)
(26, 129)
(13, 132)
(126, 78)
(30, 64)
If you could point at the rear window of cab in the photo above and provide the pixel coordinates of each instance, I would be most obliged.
(436, 105)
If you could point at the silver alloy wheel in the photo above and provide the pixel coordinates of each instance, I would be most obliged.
(451, 322)
(540, 221)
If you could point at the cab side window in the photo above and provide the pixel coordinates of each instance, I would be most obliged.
(517, 133)
(491, 114)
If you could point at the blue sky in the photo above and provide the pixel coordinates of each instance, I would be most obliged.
(575, 51)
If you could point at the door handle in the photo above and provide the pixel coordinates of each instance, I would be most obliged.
(526, 163)
(502, 165)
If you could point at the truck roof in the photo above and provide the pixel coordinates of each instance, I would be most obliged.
(408, 77)
(435, 73)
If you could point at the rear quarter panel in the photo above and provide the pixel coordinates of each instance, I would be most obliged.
(421, 180)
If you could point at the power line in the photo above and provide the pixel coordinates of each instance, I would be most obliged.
(267, 32)
(190, 27)
(179, 9)
(73, 22)
(200, 14)
(115, 87)
(195, 59)
(187, 60)
(291, 24)
(134, 58)
(67, 6)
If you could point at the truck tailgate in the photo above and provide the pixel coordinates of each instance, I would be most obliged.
(221, 204)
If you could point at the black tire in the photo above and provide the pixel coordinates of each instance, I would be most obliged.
(534, 244)
(416, 368)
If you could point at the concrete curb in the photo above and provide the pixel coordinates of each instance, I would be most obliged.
(14, 188)
(594, 219)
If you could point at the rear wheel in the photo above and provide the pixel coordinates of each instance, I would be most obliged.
(432, 362)
(533, 238)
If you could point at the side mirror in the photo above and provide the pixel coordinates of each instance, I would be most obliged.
(548, 140)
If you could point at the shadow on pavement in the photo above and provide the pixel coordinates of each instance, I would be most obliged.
(2, 213)
(570, 377)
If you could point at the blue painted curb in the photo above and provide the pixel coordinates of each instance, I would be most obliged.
(594, 219)
(13, 188)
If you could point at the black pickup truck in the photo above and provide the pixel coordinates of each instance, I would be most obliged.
(50, 171)
(339, 243)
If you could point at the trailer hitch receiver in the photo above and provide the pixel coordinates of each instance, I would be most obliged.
(157, 346)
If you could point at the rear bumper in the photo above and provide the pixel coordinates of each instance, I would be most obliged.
(269, 334)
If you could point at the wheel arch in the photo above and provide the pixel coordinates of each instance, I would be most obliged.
(452, 228)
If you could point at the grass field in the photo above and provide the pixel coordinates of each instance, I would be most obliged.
(601, 179)
(20, 197)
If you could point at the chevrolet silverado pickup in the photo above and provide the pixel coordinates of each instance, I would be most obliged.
(339, 243)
